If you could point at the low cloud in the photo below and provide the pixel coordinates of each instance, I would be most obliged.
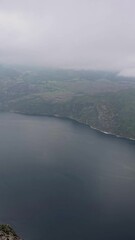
(129, 72)
(90, 34)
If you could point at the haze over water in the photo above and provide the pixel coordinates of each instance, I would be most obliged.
(62, 180)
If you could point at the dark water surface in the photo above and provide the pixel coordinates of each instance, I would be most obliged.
(60, 180)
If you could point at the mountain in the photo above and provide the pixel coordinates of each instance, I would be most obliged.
(102, 100)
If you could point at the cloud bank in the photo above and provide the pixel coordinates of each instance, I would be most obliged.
(89, 34)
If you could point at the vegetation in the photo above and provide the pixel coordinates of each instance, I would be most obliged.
(102, 100)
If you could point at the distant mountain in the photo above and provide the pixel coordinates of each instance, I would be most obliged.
(103, 100)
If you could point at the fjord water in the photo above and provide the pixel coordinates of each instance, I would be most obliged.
(62, 180)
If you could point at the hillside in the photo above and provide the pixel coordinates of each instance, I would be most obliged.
(102, 100)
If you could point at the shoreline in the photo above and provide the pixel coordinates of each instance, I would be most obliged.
(112, 134)
(99, 130)
(77, 121)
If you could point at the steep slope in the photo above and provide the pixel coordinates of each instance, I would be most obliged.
(110, 112)
(103, 100)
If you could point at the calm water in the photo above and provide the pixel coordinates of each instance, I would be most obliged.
(60, 180)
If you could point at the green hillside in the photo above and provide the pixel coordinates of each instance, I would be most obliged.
(102, 100)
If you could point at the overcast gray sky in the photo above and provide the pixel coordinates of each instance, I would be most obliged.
(95, 34)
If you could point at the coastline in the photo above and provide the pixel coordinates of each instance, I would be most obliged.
(104, 132)
(112, 134)
(80, 122)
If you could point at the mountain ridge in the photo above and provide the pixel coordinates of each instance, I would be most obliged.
(102, 100)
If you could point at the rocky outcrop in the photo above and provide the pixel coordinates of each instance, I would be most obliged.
(7, 233)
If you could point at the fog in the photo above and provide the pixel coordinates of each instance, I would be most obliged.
(89, 34)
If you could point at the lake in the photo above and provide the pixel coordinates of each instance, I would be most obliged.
(62, 180)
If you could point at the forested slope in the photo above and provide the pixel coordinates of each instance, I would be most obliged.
(102, 100)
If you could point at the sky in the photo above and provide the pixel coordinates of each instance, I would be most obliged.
(80, 34)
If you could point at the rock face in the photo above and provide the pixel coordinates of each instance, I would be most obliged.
(7, 233)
